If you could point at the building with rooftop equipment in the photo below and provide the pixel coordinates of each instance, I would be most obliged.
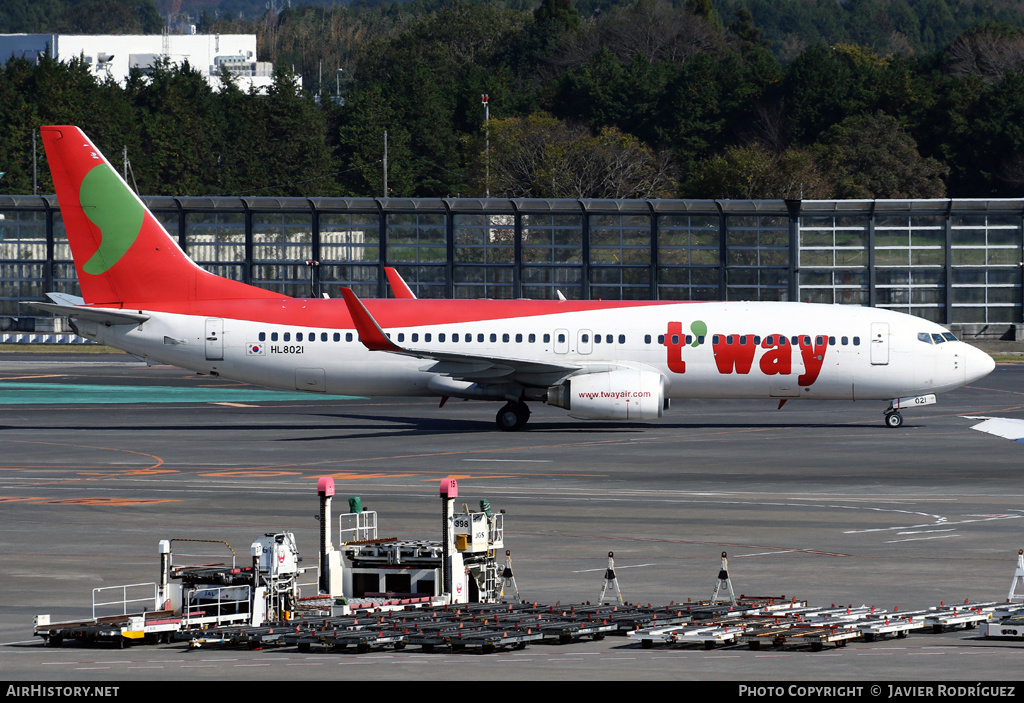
(115, 55)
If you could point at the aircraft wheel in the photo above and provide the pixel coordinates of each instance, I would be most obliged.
(893, 419)
(512, 416)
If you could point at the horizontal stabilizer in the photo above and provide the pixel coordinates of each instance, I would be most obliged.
(105, 316)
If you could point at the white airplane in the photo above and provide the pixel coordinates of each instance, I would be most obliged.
(619, 360)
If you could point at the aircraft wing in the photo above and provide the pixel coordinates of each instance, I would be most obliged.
(1006, 427)
(476, 368)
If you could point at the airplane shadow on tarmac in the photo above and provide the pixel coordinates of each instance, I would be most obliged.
(378, 426)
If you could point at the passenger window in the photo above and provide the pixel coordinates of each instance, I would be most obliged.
(480, 337)
(561, 338)
(532, 338)
(415, 336)
(647, 339)
(818, 341)
(547, 339)
(519, 338)
(770, 340)
(427, 337)
(287, 337)
(675, 339)
(273, 336)
(715, 340)
(455, 336)
(505, 337)
(494, 337)
(757, 339)
(323, 336)
(401, 336)
(622, 339)
(845, 341)
(440, 336)
(585, 338)
(856, 341)
(348, 336)
(597, 339)
(831, 341)
(298, 336)
(263, 336)
(661, 339)
(337, 336)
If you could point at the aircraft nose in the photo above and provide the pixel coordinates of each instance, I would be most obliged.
(978, 364)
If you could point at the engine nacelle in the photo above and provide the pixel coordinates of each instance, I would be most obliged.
(621, 394)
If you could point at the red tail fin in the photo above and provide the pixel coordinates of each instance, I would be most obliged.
(123, 255)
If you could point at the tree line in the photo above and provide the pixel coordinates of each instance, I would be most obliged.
(647, 98)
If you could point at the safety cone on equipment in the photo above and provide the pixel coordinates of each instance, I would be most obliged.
(723, 580)
(610, 581)
(1018, 579)
(508, 580)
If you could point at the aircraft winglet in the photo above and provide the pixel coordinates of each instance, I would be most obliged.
(370, 333)
(398, 285)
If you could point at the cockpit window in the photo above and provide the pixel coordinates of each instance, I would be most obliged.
(950, 337)
(938, 338)
(924, 337)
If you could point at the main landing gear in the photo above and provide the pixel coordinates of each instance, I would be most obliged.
(512, 416)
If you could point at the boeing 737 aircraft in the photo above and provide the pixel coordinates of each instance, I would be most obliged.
(597, 359)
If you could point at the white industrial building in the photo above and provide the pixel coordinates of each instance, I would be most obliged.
(115, 55)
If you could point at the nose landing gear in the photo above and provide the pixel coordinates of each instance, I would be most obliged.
(893, 419)
(892, 415)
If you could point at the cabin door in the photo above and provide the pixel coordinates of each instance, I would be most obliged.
(879, 343)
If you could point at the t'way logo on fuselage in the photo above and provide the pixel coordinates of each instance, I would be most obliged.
(735, 353)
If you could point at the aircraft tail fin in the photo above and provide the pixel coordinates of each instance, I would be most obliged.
(123, 255)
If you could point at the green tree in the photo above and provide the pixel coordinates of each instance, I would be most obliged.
(560, 11)
(362, 124)
(111, 17)
(540, 156)
(756, 172)
(871, 156)
(295, 144)
(180, 130)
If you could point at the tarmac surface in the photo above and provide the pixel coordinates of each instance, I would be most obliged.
(103, 456)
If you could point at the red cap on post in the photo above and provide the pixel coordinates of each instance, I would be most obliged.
(449, 488)
(325, 486)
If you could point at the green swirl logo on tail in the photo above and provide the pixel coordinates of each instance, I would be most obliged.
(115, 211)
